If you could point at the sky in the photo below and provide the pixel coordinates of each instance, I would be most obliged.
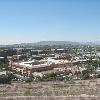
(23, 21)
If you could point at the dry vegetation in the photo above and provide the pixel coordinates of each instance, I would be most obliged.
(51, 90)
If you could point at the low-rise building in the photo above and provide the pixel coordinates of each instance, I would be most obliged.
(27, 68)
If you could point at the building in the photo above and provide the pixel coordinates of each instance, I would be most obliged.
(29, 67)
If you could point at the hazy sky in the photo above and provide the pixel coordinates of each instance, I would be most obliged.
(41, 20)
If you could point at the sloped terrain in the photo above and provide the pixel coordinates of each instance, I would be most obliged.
(51, 90)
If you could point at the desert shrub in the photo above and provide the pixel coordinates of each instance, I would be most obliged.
(27, 93)
(85, 74)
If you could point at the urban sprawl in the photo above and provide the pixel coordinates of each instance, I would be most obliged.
(49, 63)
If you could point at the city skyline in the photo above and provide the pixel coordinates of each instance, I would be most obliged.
(27, 21)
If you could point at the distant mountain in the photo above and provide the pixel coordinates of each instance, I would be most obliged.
(66, 43)
(97, 42)
(51, 43)
(56, 43)
(92, 43)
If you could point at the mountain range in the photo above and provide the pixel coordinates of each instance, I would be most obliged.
(51, 43)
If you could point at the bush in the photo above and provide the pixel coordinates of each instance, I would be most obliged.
(5, 79)
(27, 93)
(98, 76)
(85, 74)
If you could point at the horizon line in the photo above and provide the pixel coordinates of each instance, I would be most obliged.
(9, 43)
